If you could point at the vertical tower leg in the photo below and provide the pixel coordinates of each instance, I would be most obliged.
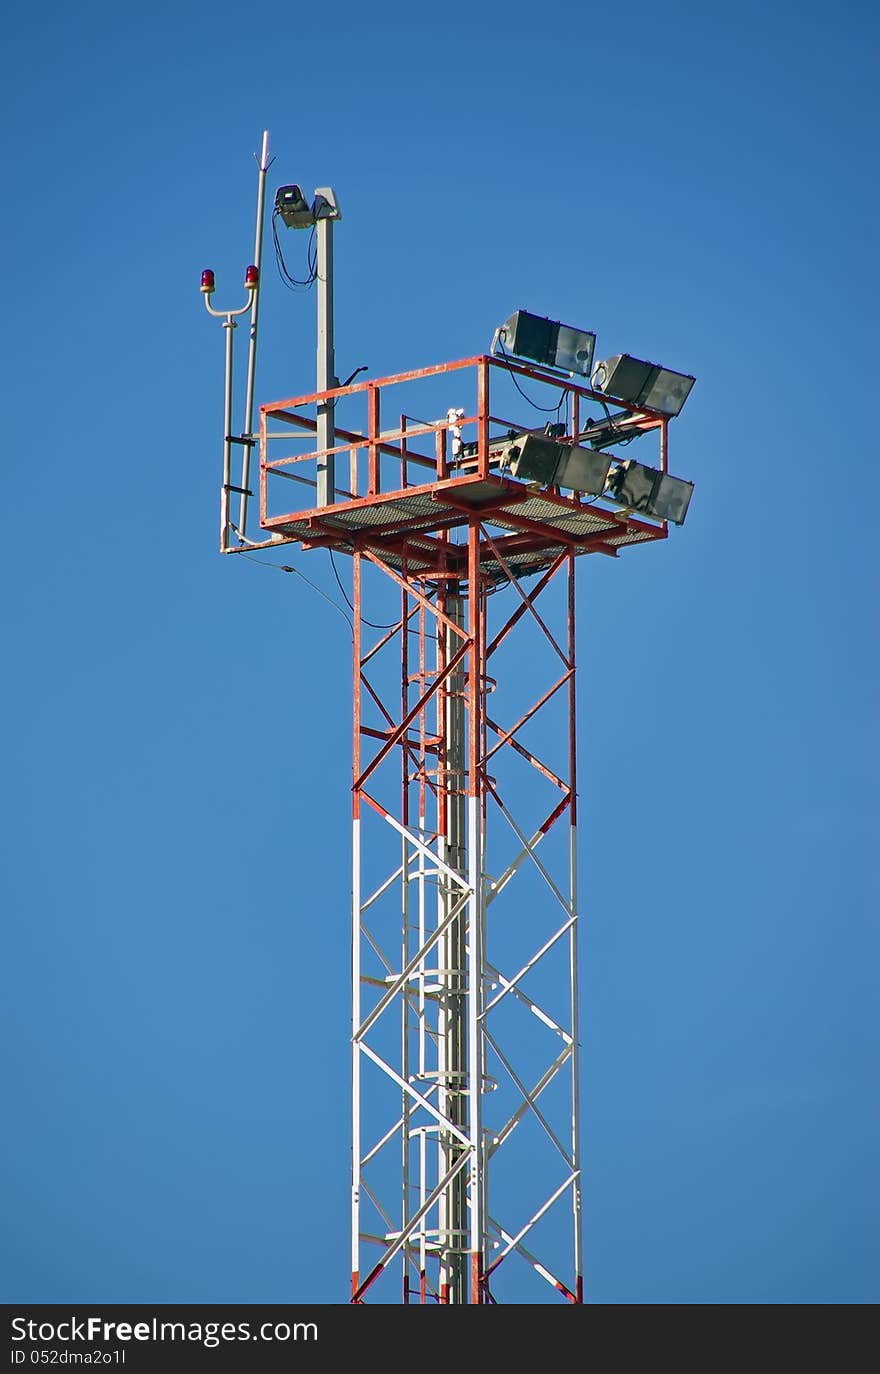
(577, 1192)
(356, 944)
(453, 969)
(432, 768)
(475, 955)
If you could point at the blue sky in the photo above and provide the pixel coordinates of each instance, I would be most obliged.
(693, 182)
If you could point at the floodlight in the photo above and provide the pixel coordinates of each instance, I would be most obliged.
(294, 209)
(536, 458)
(642, 383)
(649, 490)
(583, 469)
(546, 342)
(533, 458)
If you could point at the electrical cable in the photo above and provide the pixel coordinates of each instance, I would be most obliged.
(549, 410)
(372, 624)
(287, 568)
(291, 282)
(614, 428)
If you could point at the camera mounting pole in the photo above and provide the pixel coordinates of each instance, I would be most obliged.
(295, 211)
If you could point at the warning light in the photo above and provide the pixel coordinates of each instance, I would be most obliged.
(207, 281)
(252, 277)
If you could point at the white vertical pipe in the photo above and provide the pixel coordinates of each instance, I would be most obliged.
(423, 1194)
(475, 1024)
(404, 1043)
(442, 947)
(423, 935)
(577, 1197)
(355, 1045)
(443, 1202)
(326, 363)
(229, 326)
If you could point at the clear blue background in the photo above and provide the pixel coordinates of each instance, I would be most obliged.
(694, 182)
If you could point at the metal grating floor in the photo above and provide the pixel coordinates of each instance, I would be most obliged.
(398, 525)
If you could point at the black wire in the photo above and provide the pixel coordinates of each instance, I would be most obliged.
(549, 410)
(372, 624)
(615, 430)
(291, 282)
(286, 568)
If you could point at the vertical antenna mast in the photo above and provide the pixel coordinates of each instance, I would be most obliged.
(247, 435)
(246, 439)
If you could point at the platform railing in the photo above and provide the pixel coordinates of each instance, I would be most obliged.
(414, 450)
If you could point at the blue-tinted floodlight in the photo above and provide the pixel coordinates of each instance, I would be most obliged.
(642, 383)
(649, 490)
(547, 342)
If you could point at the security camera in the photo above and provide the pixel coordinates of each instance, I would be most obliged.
(294, 209)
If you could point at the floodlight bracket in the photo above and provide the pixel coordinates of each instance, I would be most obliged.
(326, 204)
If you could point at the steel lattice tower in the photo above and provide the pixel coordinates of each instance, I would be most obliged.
(466, 1150)
(453, 805)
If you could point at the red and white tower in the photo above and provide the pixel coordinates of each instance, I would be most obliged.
(466, 1150)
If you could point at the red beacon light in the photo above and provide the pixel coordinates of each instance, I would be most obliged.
(207, 281)
(252, 277)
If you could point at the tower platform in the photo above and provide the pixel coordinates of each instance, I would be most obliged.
(407, 504)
